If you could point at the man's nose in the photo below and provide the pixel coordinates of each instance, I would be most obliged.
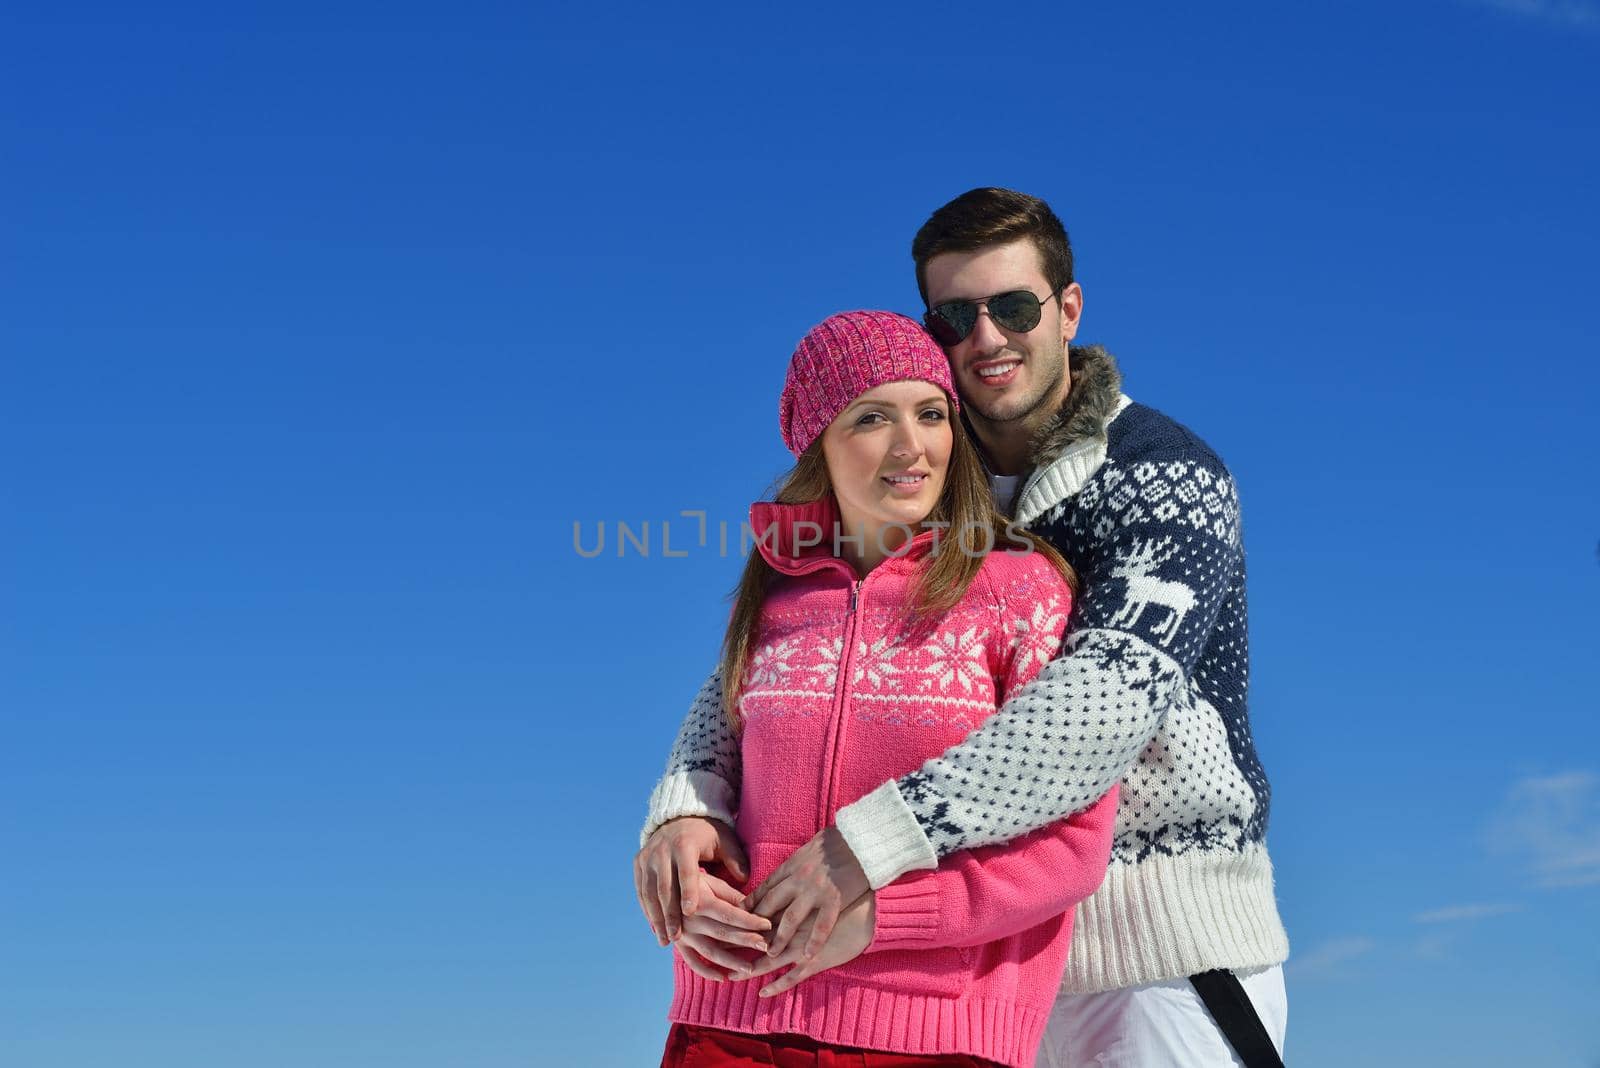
(986, 337)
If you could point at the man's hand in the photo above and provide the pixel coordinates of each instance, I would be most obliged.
(721, 940)
(666, 872)
(850, 938)
(816, 883)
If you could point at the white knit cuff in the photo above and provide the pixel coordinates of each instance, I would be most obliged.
(688, 793)
(884, 834)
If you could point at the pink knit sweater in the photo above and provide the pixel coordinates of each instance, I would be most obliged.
(841, 696)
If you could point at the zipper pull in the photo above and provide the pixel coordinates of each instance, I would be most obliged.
(855, 588)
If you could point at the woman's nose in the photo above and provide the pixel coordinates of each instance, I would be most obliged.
(905, 443)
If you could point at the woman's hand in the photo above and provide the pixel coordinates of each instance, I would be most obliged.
(850, 938)
(816, 883)
(666, 871)
(720, 940)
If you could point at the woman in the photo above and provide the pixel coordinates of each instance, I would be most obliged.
(887, 611)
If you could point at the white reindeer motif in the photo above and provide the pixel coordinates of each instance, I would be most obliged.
(1144, 589)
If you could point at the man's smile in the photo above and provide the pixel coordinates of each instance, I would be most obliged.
(997, 372)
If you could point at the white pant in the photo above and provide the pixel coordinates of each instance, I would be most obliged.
(1156, 1025)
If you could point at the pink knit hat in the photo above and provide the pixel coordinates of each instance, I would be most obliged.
(844, 356)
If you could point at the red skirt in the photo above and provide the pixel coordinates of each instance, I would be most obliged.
(707, 1047)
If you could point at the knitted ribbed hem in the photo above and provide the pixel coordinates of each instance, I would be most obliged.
(1169, 917)
(883, 833)
(688, 793)
(845, 1014)
(907, 916)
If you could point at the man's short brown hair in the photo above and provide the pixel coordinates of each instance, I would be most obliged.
(979, 218)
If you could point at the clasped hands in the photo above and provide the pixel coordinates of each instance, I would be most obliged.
(815, 912)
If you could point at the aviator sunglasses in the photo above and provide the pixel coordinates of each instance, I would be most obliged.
(952, 321)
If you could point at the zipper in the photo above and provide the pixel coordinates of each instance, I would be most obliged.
(840, 699)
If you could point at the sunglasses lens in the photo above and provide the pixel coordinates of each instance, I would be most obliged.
(1017, 312)
(951, 323)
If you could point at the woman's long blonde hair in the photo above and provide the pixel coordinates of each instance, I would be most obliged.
(965, 504)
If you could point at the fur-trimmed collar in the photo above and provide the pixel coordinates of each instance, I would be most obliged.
(1092, 401)
(1070, 448)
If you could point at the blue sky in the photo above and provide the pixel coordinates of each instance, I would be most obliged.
(320, 327)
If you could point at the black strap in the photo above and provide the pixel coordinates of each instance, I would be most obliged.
(1236, 1018)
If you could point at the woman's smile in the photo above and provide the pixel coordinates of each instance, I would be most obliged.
(906, 484)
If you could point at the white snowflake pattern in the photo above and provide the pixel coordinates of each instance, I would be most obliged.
(771, 664)
(826, 669)
(956, 658)
(875, 663)
(1047, 618)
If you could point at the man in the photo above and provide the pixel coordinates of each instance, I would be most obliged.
(1176, 959)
